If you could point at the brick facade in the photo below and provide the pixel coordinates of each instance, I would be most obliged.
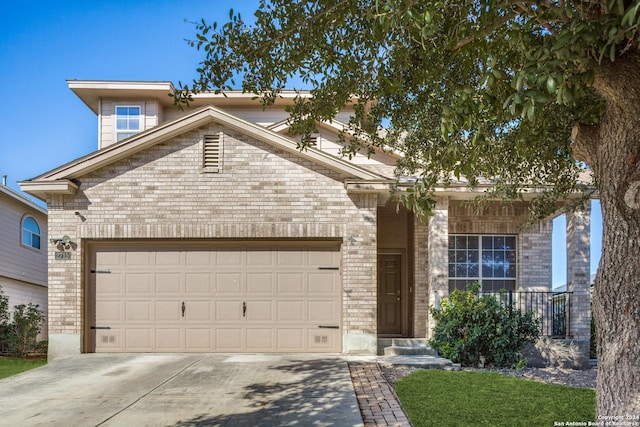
(261, 193)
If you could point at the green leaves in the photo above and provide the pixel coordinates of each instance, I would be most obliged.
(467, 91)
(470, 327)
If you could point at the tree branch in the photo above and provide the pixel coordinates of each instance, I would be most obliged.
(585, 138)
(487, 30)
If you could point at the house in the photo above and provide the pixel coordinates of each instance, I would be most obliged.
(23, 263)
(208, 230)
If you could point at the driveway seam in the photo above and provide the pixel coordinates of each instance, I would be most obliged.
(150, 391)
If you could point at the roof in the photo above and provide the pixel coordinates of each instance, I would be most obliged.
(60, 179)
(9, 192)
(91, 91)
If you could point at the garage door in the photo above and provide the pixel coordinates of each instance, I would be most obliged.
(261, 297)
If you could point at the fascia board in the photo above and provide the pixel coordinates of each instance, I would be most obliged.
(40, 189)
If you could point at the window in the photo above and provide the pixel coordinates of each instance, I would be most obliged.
(212, 153)
(490, 260)
(30, 232)
(127, 121)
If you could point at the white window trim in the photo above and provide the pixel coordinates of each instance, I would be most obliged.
(118, 132)
(22, 242)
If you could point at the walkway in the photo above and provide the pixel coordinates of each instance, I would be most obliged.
(378, 403)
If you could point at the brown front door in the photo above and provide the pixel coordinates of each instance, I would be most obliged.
(390, 294)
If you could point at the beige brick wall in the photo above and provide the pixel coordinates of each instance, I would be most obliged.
(457, 217)
(262, 192)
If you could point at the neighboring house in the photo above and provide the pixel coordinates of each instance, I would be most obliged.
(23, 263)
(209, 230)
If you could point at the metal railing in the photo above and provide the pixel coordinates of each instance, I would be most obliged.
(552, 308)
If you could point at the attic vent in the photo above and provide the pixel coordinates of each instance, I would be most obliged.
(212, 153)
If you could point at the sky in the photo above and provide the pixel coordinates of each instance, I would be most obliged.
(45, 43)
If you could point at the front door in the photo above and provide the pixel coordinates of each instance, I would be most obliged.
(390, 294)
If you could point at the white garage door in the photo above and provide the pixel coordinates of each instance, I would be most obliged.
(269, 297)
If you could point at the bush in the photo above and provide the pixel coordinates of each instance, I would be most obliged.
(476, 330)
(19, 337)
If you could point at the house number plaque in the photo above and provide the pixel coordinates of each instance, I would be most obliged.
(63, 255)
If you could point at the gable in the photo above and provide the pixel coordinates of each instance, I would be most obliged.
(59, 180)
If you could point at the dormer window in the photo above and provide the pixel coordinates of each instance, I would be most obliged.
(127, 121)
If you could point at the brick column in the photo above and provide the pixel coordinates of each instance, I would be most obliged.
(579, 276)
(438, 266)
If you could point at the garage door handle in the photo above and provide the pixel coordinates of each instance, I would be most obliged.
(244, 309)
(183, 308)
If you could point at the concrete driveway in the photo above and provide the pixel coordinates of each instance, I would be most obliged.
(183, 390)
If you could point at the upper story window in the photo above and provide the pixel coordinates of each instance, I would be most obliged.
(488, 259)
(127, 121)
(30, 232)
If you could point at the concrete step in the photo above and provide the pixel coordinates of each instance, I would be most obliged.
(409, 347)
(418, 361)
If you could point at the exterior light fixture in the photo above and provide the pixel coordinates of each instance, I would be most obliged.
(61, 243)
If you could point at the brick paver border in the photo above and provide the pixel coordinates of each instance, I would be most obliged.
(378, 402)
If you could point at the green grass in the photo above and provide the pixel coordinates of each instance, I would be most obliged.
(14, 365)
(466, 398)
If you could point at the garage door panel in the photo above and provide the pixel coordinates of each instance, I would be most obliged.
(293, 257)
(260, 283)
(139, 259)
(110, 311)
(322, 312)
(259, 258)
(291, 283)
(228, 311)
(168, 311)
(291, 339)
(198, 339)
(195, 258)
(138, 283)
(109, 258)
(198, 283)
(169, 283)
(229, 339)
(321, 340)
(108, 339)
(288, 291)
(108, 284)
(322, 283)
(290, 311)
(229, 284)
(260, 339)
(230, 257)
(168, 259)
(138, 311)
(259, 311)
(168, 339)
(198, 311)
(139, 339)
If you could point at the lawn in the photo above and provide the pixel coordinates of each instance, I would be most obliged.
(466, 398)
(14, 365)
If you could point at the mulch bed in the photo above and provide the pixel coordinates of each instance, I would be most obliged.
(570, 377)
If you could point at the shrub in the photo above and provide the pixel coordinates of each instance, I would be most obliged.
(19, 336)
(470, 328)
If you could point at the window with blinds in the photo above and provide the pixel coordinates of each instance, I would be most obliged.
(212, 153)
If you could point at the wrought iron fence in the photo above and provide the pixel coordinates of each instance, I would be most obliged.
(552, 308)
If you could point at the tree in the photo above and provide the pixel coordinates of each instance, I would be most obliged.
(525, 94)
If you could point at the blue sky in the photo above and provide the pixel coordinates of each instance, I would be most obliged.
(44, 44)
